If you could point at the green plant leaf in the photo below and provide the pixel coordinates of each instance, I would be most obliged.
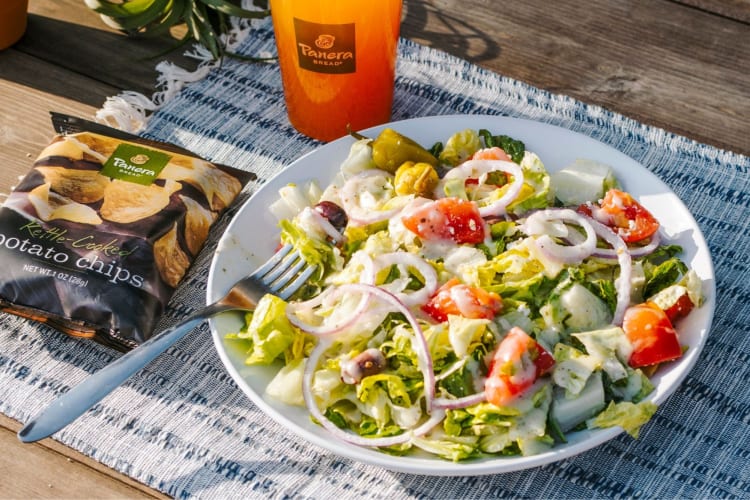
(206, 20)
(201, 29)
(119, 9)
(133, 23)
(175, 16)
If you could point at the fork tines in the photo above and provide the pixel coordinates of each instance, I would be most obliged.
(283, 273)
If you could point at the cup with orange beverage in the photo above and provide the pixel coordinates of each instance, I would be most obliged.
(12, 21)
(338, 62)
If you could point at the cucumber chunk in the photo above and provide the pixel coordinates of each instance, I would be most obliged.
(583, 181)
(568, 413)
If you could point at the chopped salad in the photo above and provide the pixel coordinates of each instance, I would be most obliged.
(467, 302)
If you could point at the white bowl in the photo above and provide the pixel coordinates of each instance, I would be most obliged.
(253, 235)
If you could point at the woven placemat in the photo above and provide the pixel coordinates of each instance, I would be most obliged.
(183, 427)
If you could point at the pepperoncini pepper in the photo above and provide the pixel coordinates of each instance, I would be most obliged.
(390, 150)
(416, 178)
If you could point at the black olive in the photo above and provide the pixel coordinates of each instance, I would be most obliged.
(366, 363)
(334, 213)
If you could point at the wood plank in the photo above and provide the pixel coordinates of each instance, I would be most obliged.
(658, 62)
(678, 64)
(68, 34)
(48, 469)
(635, 58)
(738, 10)
(30, 88)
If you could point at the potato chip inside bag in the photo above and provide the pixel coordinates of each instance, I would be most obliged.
(98, 235)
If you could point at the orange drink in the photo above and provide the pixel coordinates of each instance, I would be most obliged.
(338, 61)
(12, 21)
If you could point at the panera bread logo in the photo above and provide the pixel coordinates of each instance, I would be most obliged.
(325, 48)
(326, 42)
(133, 163)
(125, 166)
(140, 159)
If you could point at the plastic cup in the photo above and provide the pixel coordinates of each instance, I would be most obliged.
(338, 62)
(12, 21)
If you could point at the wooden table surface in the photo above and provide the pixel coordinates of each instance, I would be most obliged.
(680, 65)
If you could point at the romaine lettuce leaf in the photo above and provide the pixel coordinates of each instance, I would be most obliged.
(460, 146)
(450, 448)
(536, 192)
(359, 158)
(314, 251)
(286, 385)
(634, 388)
(610, 347)
(463, 332)
(268, 330)
(629, 416)
(572, 369)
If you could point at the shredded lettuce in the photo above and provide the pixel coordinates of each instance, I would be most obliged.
(268, 331)
(629, 416)
(314, 251)
(286, 386)
(567, 308)
(460, 146)
(536, 192)
(359, 159)
(450, 448)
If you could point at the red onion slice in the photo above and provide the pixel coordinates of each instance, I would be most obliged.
(464, 402)
(350, 198)
(561, 253)
(610, 253)
(335, 236)
(293, 310)
(635, 252)
(350, 437)
(623, 282)
(404, 260)
(425, 361)
(419, 342)
(475, 169)
(367, 276)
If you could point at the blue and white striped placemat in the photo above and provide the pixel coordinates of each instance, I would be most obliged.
(183, 427)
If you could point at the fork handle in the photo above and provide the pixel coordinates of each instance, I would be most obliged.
(83, 396)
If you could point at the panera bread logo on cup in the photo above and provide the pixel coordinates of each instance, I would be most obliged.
(325, 41)
(325, 48)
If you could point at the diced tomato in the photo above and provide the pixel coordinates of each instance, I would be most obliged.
(681, 308)
(448, 219)
(585, 209)
(627, 217)
(493, 153)
(517, 363)
(498, 178)
(675, 301)
(464, 300)
(652, 335)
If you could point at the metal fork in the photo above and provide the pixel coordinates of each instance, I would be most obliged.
(283, 274)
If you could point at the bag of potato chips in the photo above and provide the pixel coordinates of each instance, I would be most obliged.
(95, 239)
